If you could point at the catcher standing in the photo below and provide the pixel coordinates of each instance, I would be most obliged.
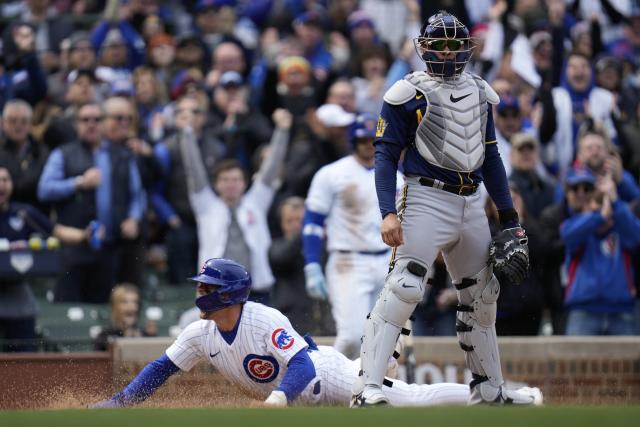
(442, 119)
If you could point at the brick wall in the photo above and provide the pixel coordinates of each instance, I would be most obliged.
(569, 370)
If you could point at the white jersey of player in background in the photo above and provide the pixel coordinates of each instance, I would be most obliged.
(345, 192)
(256, 361)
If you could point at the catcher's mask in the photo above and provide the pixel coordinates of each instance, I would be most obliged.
(232, 284)
(443, 32)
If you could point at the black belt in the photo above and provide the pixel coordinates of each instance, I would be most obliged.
(380, 252)
(461, 190)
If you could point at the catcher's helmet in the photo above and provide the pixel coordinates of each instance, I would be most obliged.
(364, 126)
(442, 31)
(232, 281)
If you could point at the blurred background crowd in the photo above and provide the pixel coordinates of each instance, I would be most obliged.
(95, 94)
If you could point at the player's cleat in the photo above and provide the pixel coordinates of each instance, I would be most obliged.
(533, 392)
(370, 396)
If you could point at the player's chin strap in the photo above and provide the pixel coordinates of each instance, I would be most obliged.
(404, 289)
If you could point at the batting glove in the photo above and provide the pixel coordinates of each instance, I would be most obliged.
(316, 285)
(277, 399)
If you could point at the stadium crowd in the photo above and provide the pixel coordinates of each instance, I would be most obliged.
(117, 113)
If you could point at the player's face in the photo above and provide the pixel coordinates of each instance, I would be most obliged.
(365, 149)
(202, 290)
(6, 186)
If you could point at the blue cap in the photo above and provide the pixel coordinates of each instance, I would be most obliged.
(363, 127)
(578, 176)
(508, 102)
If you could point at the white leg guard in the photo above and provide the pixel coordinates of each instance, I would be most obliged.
(477, 307)
(404, 289)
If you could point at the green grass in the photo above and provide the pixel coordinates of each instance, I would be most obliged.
(600, 416)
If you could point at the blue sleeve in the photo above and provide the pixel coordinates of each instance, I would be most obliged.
(392, 135)
(300, 372)
(35, 87)
(134, 43)
(575, 231)
(147, 382)
(158, 200)
(100, 34)
(490, 128)
(495, 178)
(628, 189)
(387, 157)
(626, 224)
(312, 234)
(52, 185)
(136, 205)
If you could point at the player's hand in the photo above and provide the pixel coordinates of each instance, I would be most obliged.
(315, 283)
(391, 230)
(276, 399)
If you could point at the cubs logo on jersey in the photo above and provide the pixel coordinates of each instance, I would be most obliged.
(261, 369)
(281, 339)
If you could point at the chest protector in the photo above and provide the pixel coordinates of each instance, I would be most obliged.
(452, 132)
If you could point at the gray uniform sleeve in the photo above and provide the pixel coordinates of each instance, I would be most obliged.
(270, 168)
(194, 168)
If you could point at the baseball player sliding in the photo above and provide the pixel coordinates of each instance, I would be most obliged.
(342, 204)
(443, 119)
(255, 347)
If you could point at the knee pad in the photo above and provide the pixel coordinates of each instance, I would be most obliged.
(404, 289)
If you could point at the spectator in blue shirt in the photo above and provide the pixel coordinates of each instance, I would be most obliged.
(599, 240)
(86, 179)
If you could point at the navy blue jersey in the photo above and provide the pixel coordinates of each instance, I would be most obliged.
(20, 221)
(398, 125)
(396, 131)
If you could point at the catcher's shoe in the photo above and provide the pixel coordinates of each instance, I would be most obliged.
(505, 396)
(370, 396)
(533, 392)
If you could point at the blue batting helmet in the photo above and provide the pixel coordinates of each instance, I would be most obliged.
(442, 31)
(364, 126)
(232, 281)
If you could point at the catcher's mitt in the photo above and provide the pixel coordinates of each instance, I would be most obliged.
(509, 255)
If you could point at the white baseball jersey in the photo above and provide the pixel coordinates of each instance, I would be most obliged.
(257, 359)
(345, 191)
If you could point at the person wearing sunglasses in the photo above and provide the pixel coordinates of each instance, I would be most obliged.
(442, 120)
